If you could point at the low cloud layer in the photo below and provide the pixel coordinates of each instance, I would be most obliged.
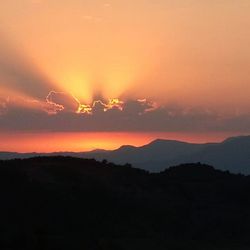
(61, 112)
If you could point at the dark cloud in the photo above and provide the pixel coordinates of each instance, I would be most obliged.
(238, 122)
(135, 116)
(3, 105)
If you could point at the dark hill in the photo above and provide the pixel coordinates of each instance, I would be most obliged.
(71, 203)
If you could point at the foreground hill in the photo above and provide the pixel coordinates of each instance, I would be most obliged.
(232, 154)
(70, 203)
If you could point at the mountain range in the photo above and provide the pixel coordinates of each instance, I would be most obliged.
(233, 154)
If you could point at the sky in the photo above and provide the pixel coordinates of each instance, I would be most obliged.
(141, 69)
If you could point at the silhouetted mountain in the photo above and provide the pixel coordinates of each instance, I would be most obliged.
(232, 154)
(153, 157)
(72, 203)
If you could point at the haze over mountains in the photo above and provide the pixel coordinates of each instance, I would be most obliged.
(233, 154)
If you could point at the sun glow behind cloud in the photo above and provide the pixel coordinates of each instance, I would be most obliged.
(81, 56)
(90, 65)
(162, 50)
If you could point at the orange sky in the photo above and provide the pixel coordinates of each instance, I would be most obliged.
(193, 52)
(79, 142)
(189, 58)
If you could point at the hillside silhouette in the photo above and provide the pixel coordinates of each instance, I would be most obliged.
(232, 154)
(72, 203)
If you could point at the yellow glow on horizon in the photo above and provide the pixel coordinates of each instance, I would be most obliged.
(80, 141)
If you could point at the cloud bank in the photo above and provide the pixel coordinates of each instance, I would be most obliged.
(61, 112)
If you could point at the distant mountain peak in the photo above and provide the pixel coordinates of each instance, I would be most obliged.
(125, 147)
(158, 140)
(164, 141)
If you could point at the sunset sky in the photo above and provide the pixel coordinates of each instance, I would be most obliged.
(102, 73)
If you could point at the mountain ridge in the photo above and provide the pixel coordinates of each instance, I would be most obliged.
(231, 154)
